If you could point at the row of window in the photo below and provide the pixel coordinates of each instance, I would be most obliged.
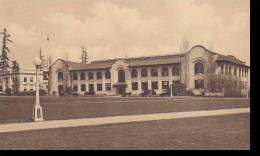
(91, 87)
(26, 80)
(83, 76)
(237, 72)
(154, 72)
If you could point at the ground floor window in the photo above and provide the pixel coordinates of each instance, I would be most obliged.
(75, 87)
(108, 86)
(154, 85)
(1, 88)
(99, 87)
(134, 85)
(144, 85)
(199, 84)
(91, 87)
(83, 87)
(165, 84)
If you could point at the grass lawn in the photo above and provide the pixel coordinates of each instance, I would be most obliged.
(19, 109)
(203, 133)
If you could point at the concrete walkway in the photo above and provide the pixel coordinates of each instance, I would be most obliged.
(115, 120)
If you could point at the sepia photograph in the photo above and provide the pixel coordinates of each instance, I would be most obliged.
(125, 75)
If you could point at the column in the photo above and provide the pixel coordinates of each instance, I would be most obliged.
(95, 80)
(159, 79)
(103, 82)
(86, 82)
(149, 79)
(79, 82)
(139, 80)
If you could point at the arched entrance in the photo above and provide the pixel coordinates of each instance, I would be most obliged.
(121, 85)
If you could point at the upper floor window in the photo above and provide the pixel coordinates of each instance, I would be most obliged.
(229, 70)
(107, 75)
(25, 79)
(165, 72)
(176, 70)
(143, 73)
(75, 76)
(134, 73)
(90, 76)
(31, 79)
(199, 68)
(222, 68)
(154, 72)
(99, 75)
(60, 76)
(121, 76)
(235, 71)
(82, 76)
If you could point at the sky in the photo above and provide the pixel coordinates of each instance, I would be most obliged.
(123, 28)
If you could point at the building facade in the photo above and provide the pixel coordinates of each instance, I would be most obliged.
(23, 80)
(196, 69)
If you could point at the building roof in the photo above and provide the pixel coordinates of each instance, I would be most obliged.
(148, 61)
(231, 59)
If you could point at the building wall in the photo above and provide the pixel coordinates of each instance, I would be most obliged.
(197, 54)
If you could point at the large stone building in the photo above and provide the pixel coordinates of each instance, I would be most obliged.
(196, 69)
(24, 80)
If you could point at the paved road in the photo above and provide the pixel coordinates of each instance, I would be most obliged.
(19, 109)
(218, 132)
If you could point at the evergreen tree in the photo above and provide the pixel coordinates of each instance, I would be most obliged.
(4, 60)
(84, 55)
(15, 66)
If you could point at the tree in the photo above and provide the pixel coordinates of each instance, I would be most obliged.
(84, 55)
(15, 66)
(4, 60)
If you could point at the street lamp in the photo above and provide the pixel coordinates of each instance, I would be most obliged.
(37, 110)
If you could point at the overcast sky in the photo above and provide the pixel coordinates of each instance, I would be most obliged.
(119, 28)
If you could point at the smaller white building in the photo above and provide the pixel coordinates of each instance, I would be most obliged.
(24, 80)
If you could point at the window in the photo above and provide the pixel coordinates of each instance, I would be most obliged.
(31, 89)
(229, 70)
(90, 76)
(99, 87)
(165, 72)
(226, 70)
(75, 87)
(242, 72)
(83, 87)
(31, 79)
(144, 85)
(25, 89)
(99, 75)
(235, 71)
(107, 75)
(121, 76)
(91, 87)
(25, 79)
(134, 85)
(143, 73)
(222, 68)
(165, 84)
(176, 70)
(154, 85)
(75, 76)
(134, 73)
(199, 84)
(239, 72)
(1, 88)
(108, 86)
(199, 68)
(60, 76)
(82, 76)
(154, 72)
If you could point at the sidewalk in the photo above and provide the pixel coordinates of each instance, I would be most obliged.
(115, 120)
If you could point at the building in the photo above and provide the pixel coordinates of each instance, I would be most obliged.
(197, 69)
(24, 80)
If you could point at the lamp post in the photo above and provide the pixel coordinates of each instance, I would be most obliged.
(37, 110)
